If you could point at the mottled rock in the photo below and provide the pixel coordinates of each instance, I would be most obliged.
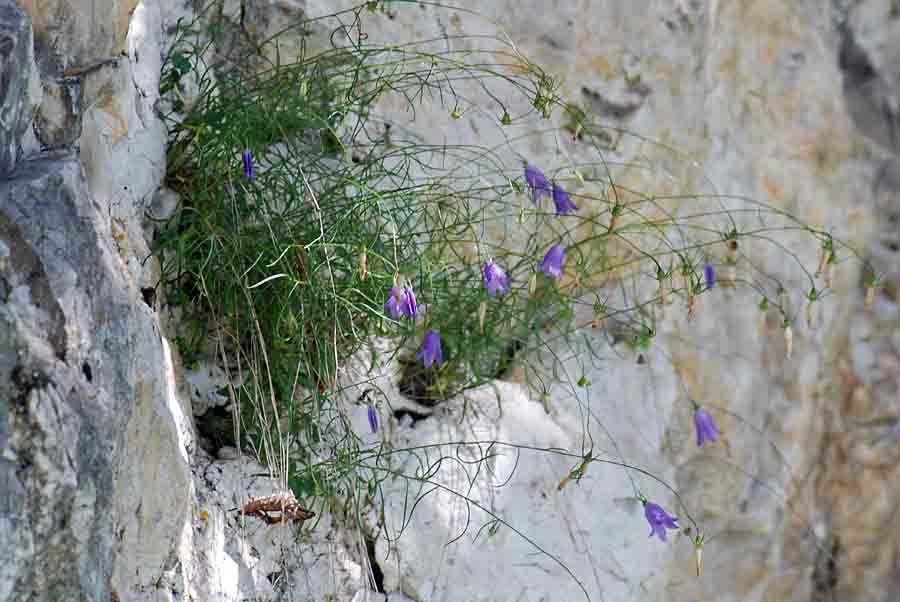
(58, 120)
(77, 36)
(122, 144)
(70, 334)
(19, 85)
(154, 484)
(234, 557)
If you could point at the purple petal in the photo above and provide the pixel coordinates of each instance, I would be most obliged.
(706, 427)
(408, 304)
(402, 302)
(393, 304)
(710, 276)
(659, 520)
(373, 418)
(537, 181)
(495, 279)
(247, 157)
(431, 349)
(563, 202)
(553, 261)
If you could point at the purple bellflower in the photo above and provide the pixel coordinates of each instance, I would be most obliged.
(564, 204)
(248, 165)
(710, 276)
(373, 417)
(659, 520)
(402, 302)
(495, 279)
(553, 261)
(431, 349)
(706, 427)
(537, 181)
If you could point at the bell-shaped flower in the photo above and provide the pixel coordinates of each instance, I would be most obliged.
(537, 181)
(431, 349)
(372, 414)
(659, 520)
(710, 273)
(495, 278)
(553, 261)
(706, 427)
(247, 158)
(564, 204)
(402, 301)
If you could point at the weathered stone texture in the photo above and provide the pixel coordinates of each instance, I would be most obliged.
(19, 87)
(70, 329)
(78, 35)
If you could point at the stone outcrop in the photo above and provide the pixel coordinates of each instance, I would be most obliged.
(19, 83)
(71, 379)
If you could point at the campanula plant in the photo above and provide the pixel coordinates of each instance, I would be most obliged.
(447, 253)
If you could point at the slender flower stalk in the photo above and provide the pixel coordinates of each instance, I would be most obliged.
(538, 183)
(482, 312)
(495, 278)
(553, 261)
(431, 349)
(363, 264)
(249, 172)
(658, 519)
(705, 426)
(562, 200)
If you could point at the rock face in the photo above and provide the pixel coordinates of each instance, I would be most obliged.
(106, 495)
(66, 400)
(81, 350)
(19, 91)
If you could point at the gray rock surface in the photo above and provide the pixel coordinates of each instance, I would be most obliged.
(19, 85)
(70, 379)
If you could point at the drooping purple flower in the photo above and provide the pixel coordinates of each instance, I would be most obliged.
(373, 417)
(248, 165)
(706, 427)
(408, 304)
(402, 301)
(537, 181)
(553, 261)
(564, 204)
(495, 279)
(710, 276)
(431, 349)
(659, 520)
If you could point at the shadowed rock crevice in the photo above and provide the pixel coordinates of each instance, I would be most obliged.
(23, 261)
(870, 96)
(377, 573)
